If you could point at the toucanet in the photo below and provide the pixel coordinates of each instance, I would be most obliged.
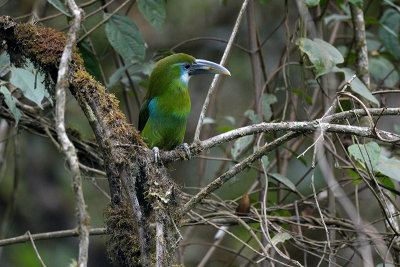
(166, 106)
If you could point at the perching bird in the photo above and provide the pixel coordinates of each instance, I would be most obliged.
(166, 106)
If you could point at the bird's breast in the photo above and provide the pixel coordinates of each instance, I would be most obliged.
(169, 113)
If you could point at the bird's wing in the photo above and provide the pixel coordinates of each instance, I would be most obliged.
(144, 114)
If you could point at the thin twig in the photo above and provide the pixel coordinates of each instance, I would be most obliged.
(103, 21)
(217, 183)
(318, 136)
(49, 235)
(217, 77)
(34, 247)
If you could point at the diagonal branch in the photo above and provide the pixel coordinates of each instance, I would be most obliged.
(217, 77)
(217, 183)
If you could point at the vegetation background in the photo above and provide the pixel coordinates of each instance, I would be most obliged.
(35, 183)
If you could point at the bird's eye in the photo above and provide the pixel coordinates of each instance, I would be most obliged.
(187, 66)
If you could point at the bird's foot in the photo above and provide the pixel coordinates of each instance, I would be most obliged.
(187, 150)
(156, 151)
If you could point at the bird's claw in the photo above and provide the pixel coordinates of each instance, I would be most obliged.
(156, 151)
(187, 150)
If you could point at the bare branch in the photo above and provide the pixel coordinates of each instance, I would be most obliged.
(66, 145)
(160, 242)
(300, 127)
(34, 247)
(217, 77)
(103, 21)
(357, 16)
(48, 235)
(217, 183)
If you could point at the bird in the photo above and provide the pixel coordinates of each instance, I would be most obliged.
(166, 105)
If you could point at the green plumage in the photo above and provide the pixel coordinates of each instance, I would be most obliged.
(166, 106)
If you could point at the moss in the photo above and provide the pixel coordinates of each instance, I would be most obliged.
(91, 90)
(123, 246)
(45, 44)
(120, 143)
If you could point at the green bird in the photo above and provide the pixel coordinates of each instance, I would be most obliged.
(166, 106)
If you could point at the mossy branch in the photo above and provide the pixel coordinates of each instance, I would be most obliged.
(123, 150)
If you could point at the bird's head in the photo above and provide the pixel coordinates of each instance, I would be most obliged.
(178, 68)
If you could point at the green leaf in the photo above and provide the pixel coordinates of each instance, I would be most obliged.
(265, 161)
(346, 105)
(367, 154)
(116, 76)
(389, 167)
(321, 54)
(252, 116)
(382, 69)
(386, 265)
(388, 32)
(373, 45)
(267, 101)
(284, 180)
(296, 155)
(300, 94)
(11, 103)
(336, 17)
(60, 6)
(4, 64)
(371, 21)
(241, 144)
(230, 119)
(353, 174)
(357, 85)
(389, 183)
(357, 3)
(279, 238)
(146, 68)
(208, 120)
(311, 3)
(154, 11)
(26, 81)
(343, 50)
(162, 53)
(396, 128)
(225, 128)
(390, 3)
(357, 181)
(125, 37)
(91, 63)
(133, 67)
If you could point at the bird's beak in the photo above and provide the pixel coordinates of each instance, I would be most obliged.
(201, 66)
